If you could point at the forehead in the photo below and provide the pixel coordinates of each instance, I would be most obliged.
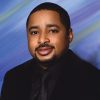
(45, 12)
(44, 16)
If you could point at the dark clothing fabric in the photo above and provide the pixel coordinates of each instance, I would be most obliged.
(70, 78)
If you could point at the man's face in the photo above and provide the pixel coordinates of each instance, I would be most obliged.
(47, 37)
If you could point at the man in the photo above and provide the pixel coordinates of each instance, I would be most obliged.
(55, 72)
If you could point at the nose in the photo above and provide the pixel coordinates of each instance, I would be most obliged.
(43, 38)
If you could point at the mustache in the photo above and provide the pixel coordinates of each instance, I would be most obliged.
(44, 45)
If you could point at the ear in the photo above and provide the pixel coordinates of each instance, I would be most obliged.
(70, 36)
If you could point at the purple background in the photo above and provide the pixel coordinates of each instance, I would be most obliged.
(85, 18)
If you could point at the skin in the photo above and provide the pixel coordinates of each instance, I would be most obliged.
(45, 26)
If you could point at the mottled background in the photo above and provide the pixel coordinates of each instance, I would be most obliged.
(85, 18)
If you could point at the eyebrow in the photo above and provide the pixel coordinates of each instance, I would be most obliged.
(48, 26)
(52, 25)
(33, 27)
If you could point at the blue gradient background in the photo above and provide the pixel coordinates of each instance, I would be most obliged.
(85, 19)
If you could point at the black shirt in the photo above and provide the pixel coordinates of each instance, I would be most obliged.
(70, 78)
(45, 81)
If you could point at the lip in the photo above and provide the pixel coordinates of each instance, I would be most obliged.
(43, 51)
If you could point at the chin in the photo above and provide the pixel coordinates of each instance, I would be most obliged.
(45, 59)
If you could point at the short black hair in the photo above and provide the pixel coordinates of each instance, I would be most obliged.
(64, 16)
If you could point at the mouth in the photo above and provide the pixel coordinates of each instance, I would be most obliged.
(43, 51)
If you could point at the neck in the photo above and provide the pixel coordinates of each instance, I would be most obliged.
(46, 65)
(53, 62)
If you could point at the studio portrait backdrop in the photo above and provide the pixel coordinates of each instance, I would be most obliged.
(85, 20)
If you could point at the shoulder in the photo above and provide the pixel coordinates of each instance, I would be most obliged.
(20, 75)
(21, 69)
(80, 63)
(89, 73)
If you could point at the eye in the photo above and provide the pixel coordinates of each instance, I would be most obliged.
(53, 31)
(34, 32)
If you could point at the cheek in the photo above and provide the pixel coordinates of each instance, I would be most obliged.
(32, 44)
(60, 43)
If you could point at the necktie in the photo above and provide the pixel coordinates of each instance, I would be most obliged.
(35, 90)
(43, 91)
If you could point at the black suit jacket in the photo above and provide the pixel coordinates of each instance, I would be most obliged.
(78, 80)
